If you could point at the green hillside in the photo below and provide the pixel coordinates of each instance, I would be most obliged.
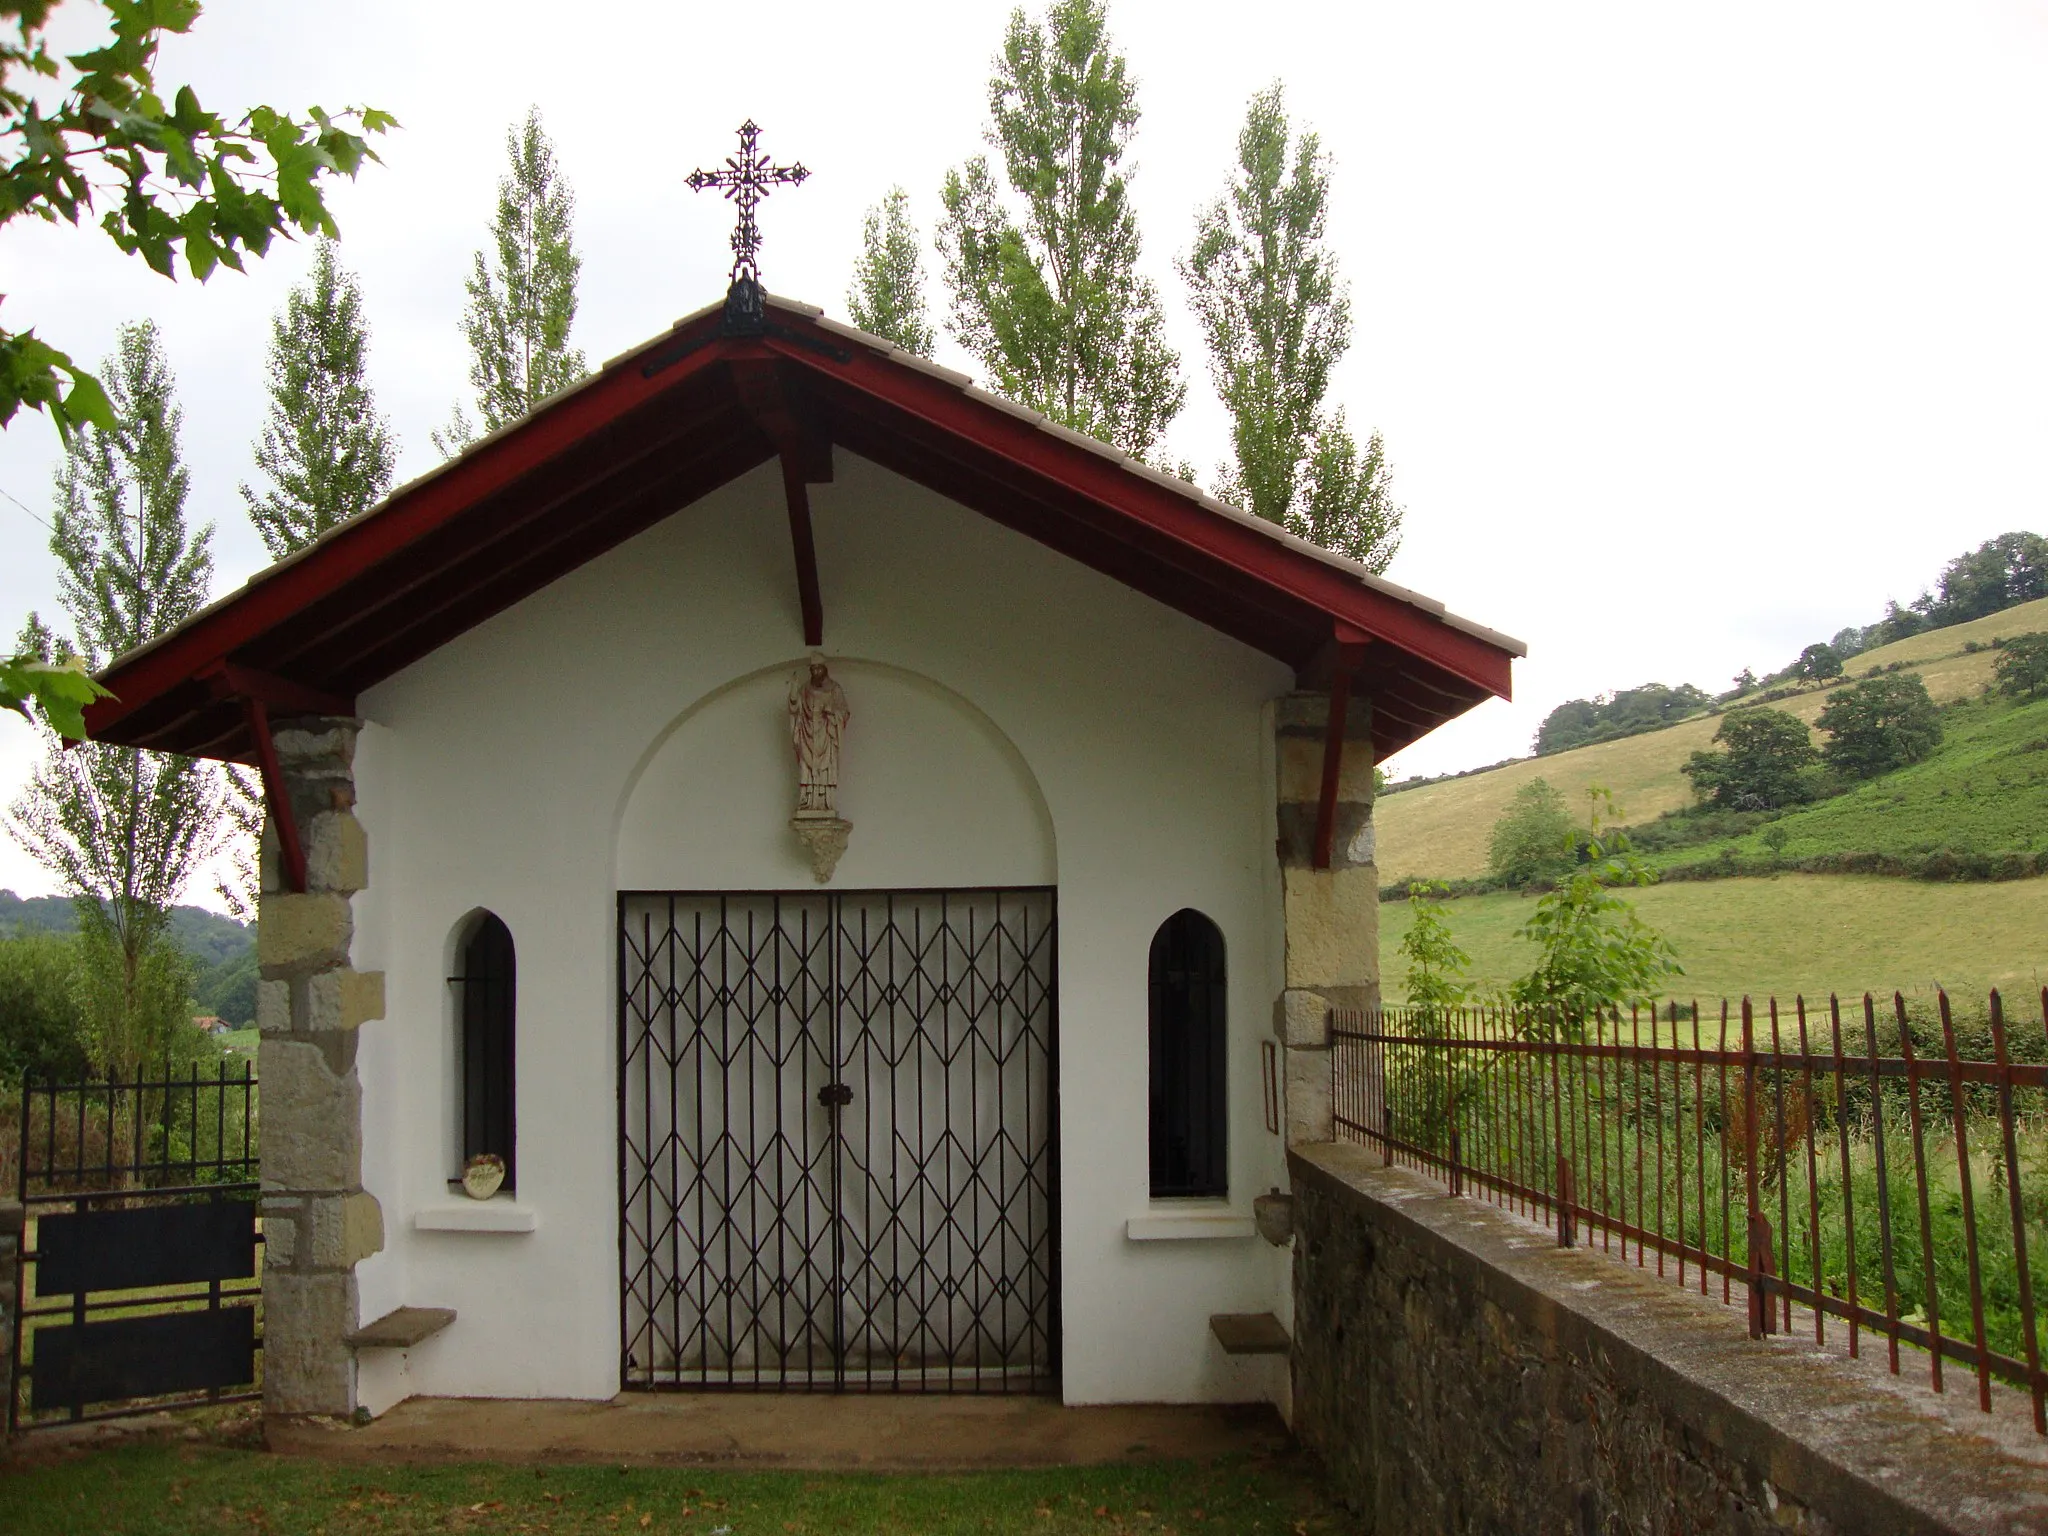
(1795, 933)
(1441, 830)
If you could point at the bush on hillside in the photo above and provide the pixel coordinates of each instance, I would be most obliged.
(42, 1023)
(1535, 838)
(1879, 724)
(2022, 666)
(1766, 762)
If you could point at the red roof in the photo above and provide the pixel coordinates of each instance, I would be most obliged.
(671, 421)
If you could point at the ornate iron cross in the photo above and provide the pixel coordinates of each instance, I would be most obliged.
(745, 179)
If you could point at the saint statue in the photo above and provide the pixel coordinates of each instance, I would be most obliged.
(817, 722)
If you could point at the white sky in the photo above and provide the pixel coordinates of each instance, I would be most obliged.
(1695, 332)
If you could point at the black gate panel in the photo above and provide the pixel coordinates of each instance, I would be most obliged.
(80, 1365)
(837, 1125)
(152, 1245)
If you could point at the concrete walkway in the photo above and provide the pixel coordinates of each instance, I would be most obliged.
(867, 1432)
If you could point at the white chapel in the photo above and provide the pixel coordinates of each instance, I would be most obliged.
(787, 871)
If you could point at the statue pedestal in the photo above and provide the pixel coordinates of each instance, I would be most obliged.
(824, 839)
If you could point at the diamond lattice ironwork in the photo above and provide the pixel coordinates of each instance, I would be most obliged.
(904, 1241)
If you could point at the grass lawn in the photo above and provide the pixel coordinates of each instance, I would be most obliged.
(239, 1042)
(1795, 933)
(1442, 831)
(177, 1489)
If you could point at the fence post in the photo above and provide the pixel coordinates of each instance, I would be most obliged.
(1762, 1319)
(1567, 1214)
(1457, 1167)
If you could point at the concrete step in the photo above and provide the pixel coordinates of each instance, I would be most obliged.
(1250, 1333)
(401, 1329)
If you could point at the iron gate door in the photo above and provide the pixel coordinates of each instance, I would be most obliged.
(836, 1140)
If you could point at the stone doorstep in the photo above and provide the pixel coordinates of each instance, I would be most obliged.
(401, 1329)
(1250, 1333)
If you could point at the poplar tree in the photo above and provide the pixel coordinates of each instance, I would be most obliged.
(1048, 298)
(325, 450)
(123, 830)
(522, 295)
(1263, 284)
(887, 296)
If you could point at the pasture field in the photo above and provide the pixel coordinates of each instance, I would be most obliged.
(1441, 831)
(1788, 934)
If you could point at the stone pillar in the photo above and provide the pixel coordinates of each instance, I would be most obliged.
(10, 1296)
(318, 1222)
(1332, 915)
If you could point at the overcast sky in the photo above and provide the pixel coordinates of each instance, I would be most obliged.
(1695, 332)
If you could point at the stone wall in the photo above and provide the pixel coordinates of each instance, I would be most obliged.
(318, 1222)
(10, 1297)
(1457, 1371)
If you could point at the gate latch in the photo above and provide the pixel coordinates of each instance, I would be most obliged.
(835, 1095)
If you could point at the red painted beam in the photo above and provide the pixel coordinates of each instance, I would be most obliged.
(1347, 650)
(274, 795)
(805, 547)
(1026, 449)
(360, 545)
(230, 681)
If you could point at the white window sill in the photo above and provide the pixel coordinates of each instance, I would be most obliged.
(1185, 1226)
(498, 1214)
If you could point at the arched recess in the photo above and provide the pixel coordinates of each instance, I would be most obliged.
(1189, 1031)
(938, 795)
(486, 998)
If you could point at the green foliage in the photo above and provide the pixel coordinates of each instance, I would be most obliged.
(176, 180)
(121, 829)
(42, 1022)
(1594, 951)
(1764, 762)
(54, 689)
(1435, 979)
(1263, 284)
(327, 454)
(2022, 666)
(522, 304)
(1879, 724)
(1535, 837)
(1818, 663)
(1608, 717)
(1049, 300)
(1999, 574)
(887, 296)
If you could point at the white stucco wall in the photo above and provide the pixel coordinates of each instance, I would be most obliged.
(1017, 719)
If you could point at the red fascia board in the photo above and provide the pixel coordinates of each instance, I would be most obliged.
(357, 549)
(1028, 449)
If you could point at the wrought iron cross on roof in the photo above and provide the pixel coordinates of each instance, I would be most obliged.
(745, 179)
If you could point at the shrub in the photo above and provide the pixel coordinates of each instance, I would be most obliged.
(1594, 951)
(1534, 837)
(1879, 724)
(1436, 965)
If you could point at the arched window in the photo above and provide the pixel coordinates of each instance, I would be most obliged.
(485, 1003)
(1188, 1120)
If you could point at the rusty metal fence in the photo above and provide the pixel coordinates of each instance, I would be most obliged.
(1882, 1166)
